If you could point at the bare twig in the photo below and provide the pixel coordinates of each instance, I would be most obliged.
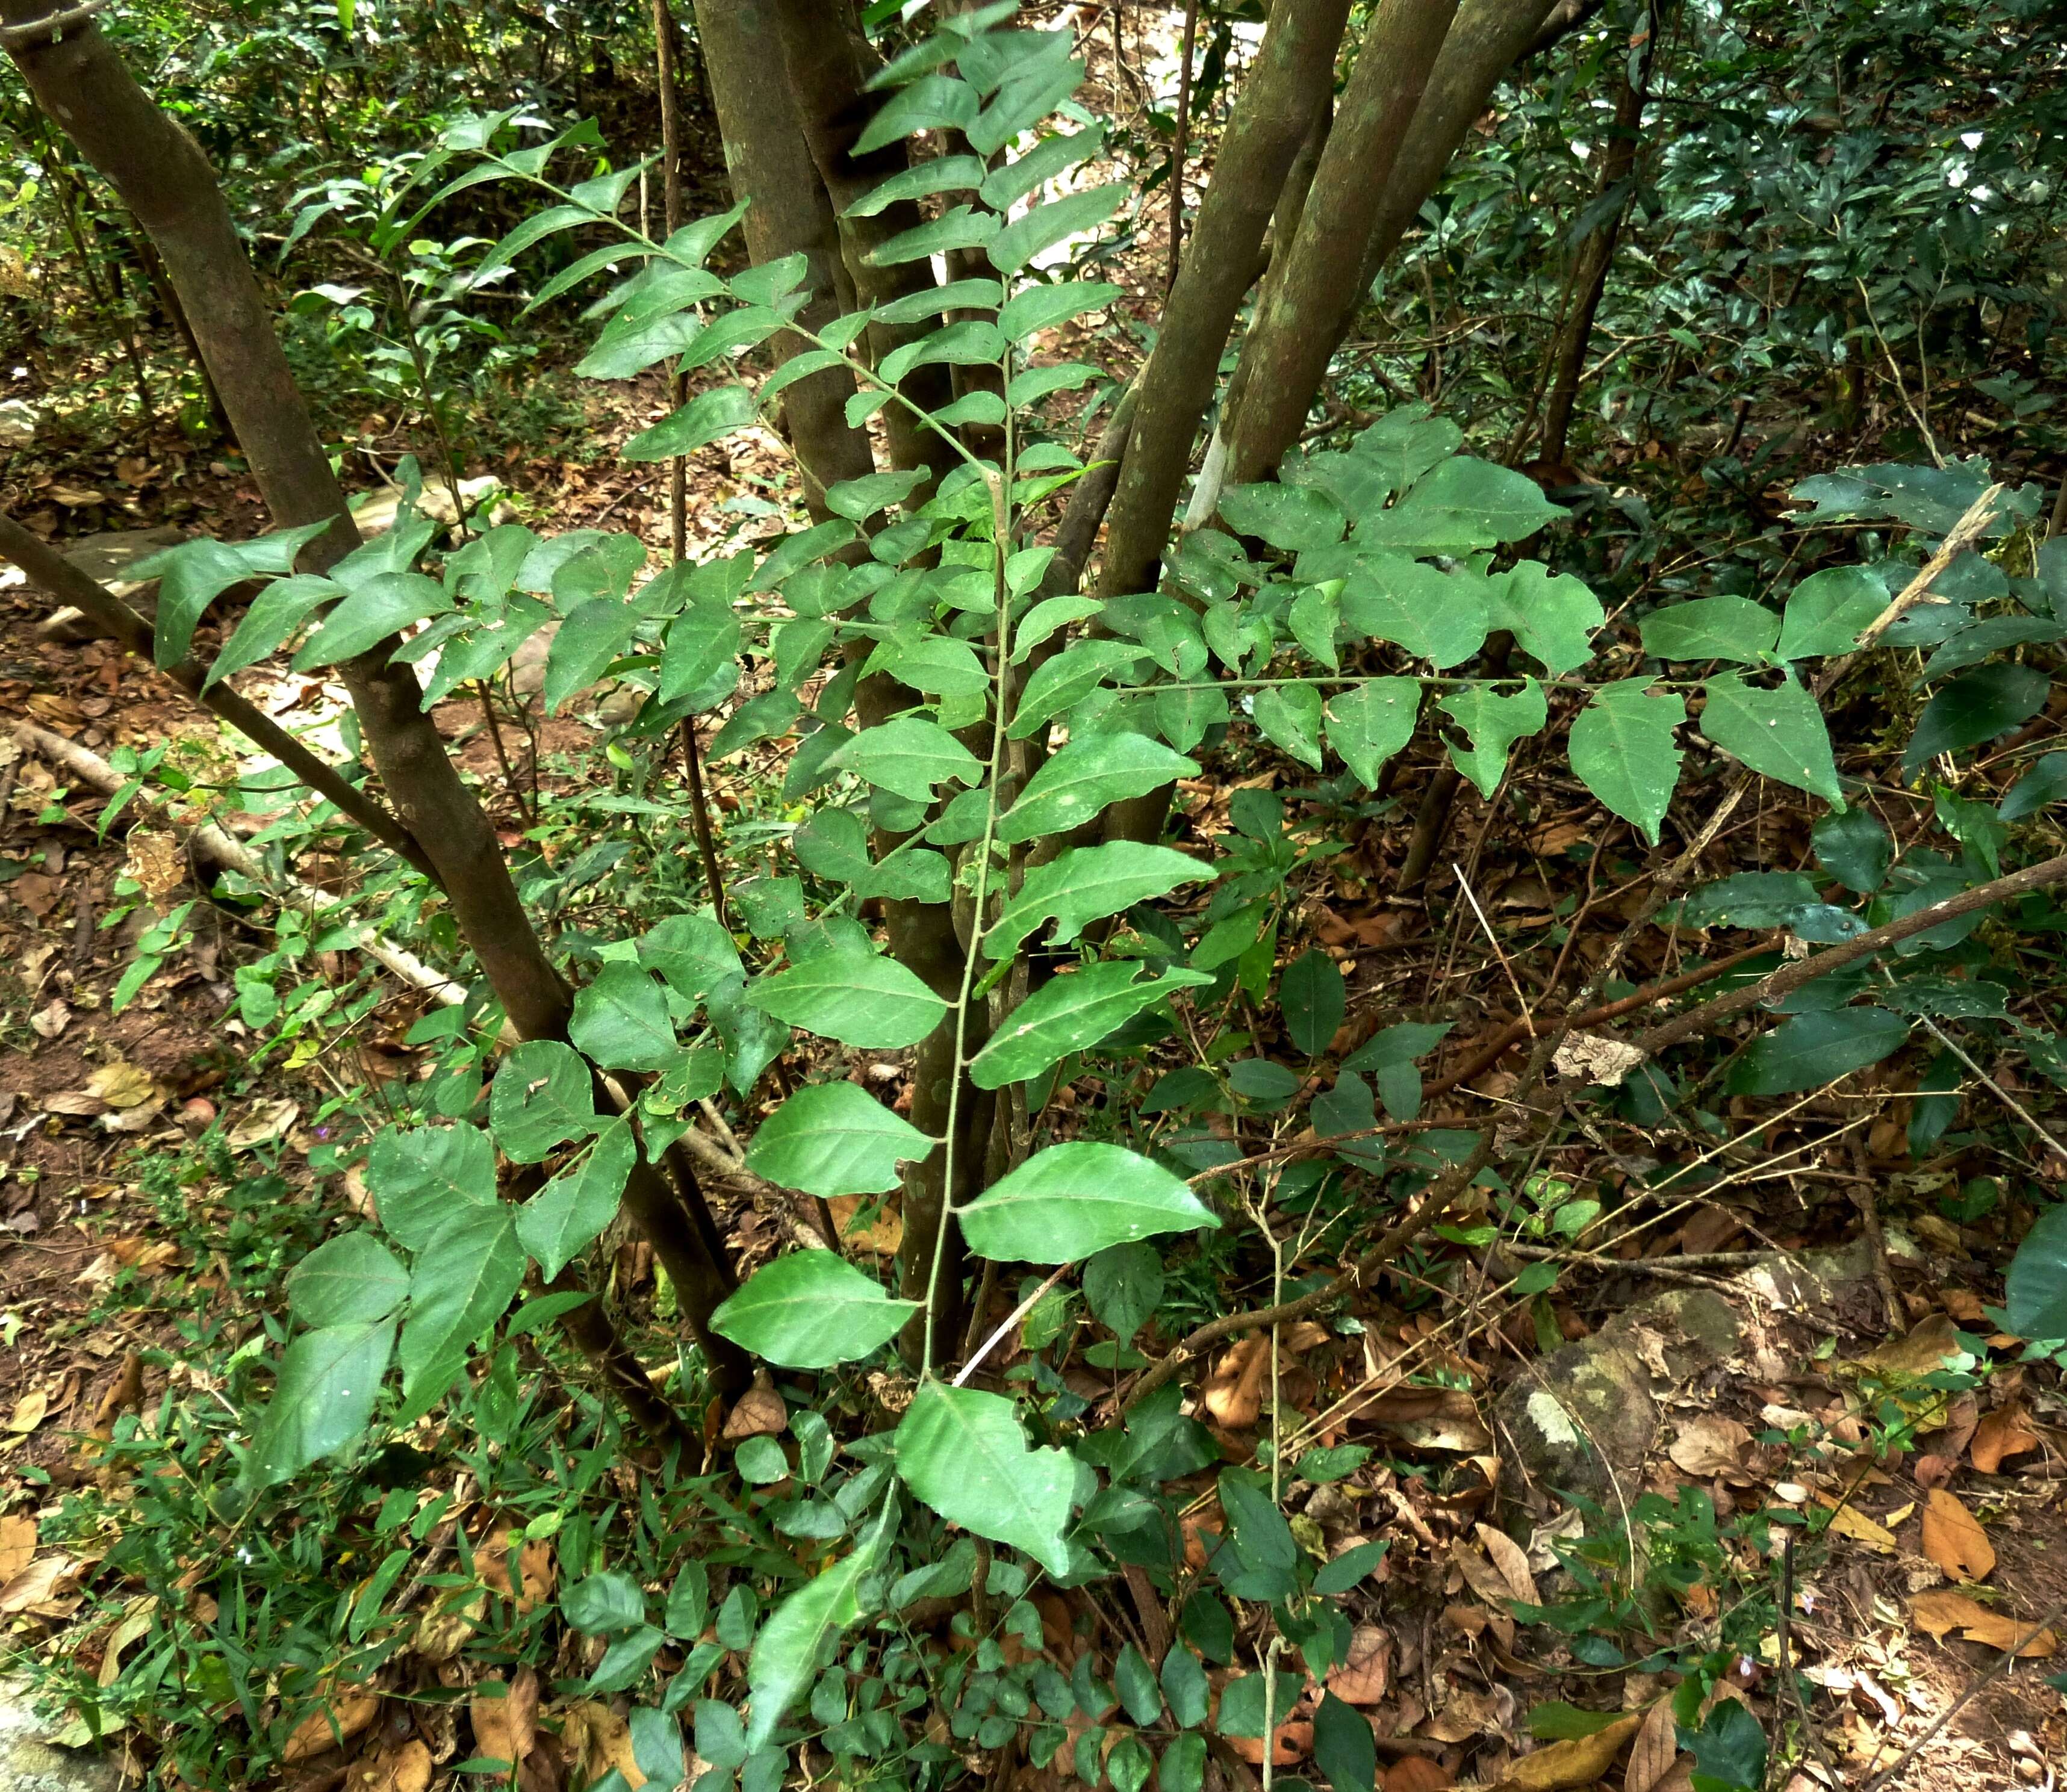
(2001, 1666)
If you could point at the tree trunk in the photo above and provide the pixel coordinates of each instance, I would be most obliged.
(829, 65)
(767, 152)
(1307, 308)
(161, 175)
(790, 213)
(1484, 43)
(1596, 256)
(1292, 75)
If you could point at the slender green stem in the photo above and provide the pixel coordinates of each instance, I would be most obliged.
(1000, 486)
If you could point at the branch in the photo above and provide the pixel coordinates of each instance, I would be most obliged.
(58, 576)
(211, 842)
(1791, 977)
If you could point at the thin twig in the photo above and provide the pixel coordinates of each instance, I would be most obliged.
(1492, 939)
(1004, 1326)
(1965, 1699)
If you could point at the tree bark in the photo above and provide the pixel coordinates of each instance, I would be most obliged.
(790, 213)
(829, 65)
(1309, 304)
(1292, 75)
(1484, 43)
(1596, 253)
(161, 175)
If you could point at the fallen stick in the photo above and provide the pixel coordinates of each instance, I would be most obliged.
(212, 843)
(57, 575)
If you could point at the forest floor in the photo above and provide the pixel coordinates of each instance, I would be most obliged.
(154, 1183)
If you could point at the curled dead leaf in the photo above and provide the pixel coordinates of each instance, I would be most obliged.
(2002, 1434)
(44, 1582)
(1953, 1539)
(1513, 1562)
(1416, 1773)
(331, 1724)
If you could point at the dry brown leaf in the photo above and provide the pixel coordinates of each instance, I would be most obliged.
(123, 1085)
(598, 1739)
(46, 1578)
(30, 1411)
(760, 1414)
(1291, 1744)
(1923, 1353)
(1941, 1610)
(1416, 1773)
(331, 1724)
(1375, 932)
(505, 1721)
(1513, 1561)
(536, 1569)
(1428, 1418)
(1362, 1678)
(18, 1545)
(156, 862)
(1933, 1471)
(1656, 1748)
(1234, 1391)
(1848, 1521)
(1596, 1058)
(136, 1623)
(441, 1634)
(2004, 1433)
(1711, 1446)
(124, 1394)
(407, 1769)
(1953, 1539)
(1578, 1761)
(267, 1121)
(1466, 1713)
(881, 1237)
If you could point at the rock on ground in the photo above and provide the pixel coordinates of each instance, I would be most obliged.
(1583, 1419)
(29, 1764)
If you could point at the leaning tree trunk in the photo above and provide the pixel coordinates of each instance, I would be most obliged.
(1278, 103)
(161, 175)
(1589, 273)
(1309, 305)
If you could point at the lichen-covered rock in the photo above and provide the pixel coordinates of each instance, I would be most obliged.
(30, 1764)
(1583, 1420)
